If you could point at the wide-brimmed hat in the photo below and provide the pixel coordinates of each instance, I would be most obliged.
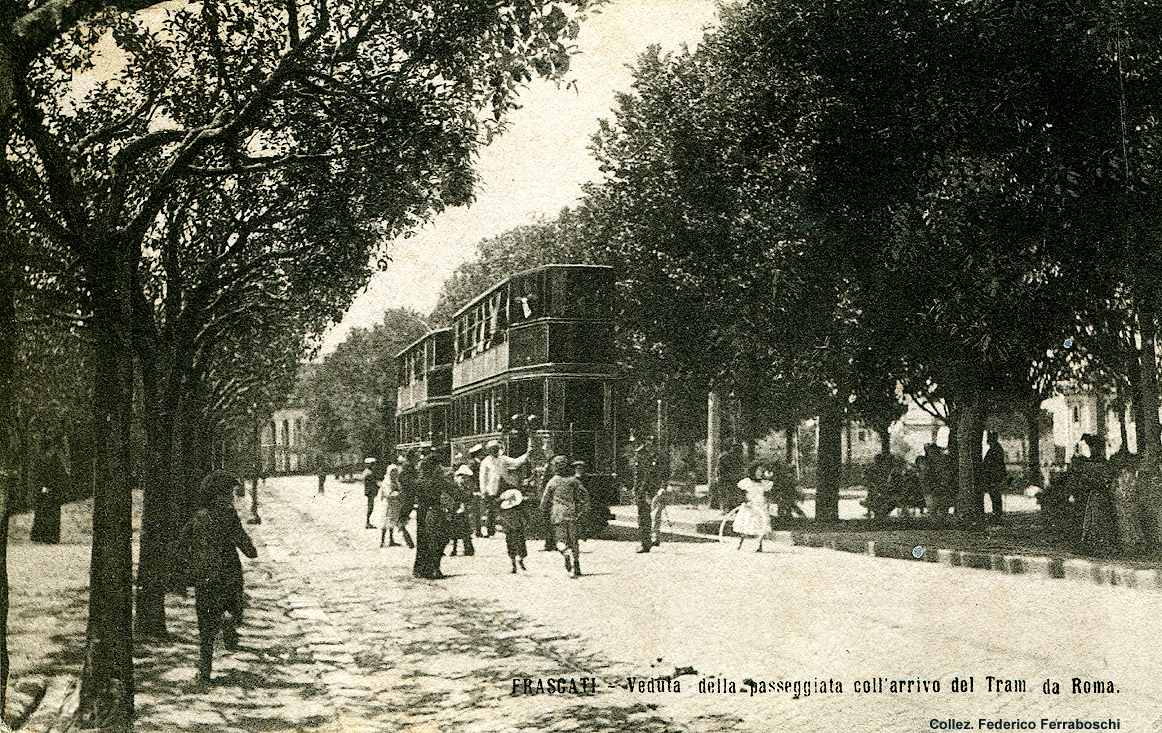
(492, 444)
(510, 498)
(475, 449)
(369, 460)
(753, 469)
(464, 470)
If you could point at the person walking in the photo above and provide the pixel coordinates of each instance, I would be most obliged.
(461, 528)
(497, 473)
(322, 473)
(370, 479)
(209, 544)
(570, 501)
(753, 519)
(994, 477)
(515, 522)
(645, 487)
(389, 504)
(433, 497)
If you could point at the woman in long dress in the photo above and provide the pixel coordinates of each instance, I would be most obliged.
(753, 519)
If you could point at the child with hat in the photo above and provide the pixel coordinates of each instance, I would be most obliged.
(516, 524)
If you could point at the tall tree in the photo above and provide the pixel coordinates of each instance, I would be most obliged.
(390, 100)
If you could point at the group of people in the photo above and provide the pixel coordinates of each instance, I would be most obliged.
(483, 492)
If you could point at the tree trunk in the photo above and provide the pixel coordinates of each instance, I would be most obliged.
(969, 503)
(790, 436)
(1149, 490)
(1101, 411)
(149, 617)
(1148, 448)
(1033, 435)
(713, 448)
(8, 459)
(106, 699)
(885, 433)
(828, 467)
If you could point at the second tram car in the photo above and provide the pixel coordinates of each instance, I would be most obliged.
(532, 366)
(425, 393)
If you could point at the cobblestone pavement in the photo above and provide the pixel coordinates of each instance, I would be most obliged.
(339, 637)
(788, 614)
(336, 640)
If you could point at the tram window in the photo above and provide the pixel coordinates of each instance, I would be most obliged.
(584, 405)
(580, 342)
(529, 346)
(443, 350)
(526, 397)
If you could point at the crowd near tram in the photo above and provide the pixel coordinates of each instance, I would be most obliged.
(506, 423)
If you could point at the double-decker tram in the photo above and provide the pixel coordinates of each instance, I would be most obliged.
(532, 367)
(424, 393)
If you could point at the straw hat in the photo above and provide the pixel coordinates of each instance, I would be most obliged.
(510, 498)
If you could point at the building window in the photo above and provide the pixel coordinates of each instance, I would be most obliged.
(1076, 414)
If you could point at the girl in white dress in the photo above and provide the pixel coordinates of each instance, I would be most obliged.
(753, 519)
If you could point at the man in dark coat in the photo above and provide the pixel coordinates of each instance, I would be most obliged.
(994, 477)
(210, 541)
(434, 502)
(371, 478)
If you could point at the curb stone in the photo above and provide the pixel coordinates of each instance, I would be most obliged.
(1047, 566)
(1076, 569)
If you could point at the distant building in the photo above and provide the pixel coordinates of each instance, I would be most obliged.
(285, 446)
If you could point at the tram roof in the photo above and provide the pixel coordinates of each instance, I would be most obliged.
(420, 340)
(538, 268)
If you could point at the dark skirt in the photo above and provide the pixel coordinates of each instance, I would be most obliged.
(515, 542)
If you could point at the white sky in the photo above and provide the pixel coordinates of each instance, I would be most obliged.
(537, 167)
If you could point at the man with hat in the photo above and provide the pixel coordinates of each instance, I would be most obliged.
(569, 501)
(516, 524)
(462, 521)
(497, 472)
(370, 487)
